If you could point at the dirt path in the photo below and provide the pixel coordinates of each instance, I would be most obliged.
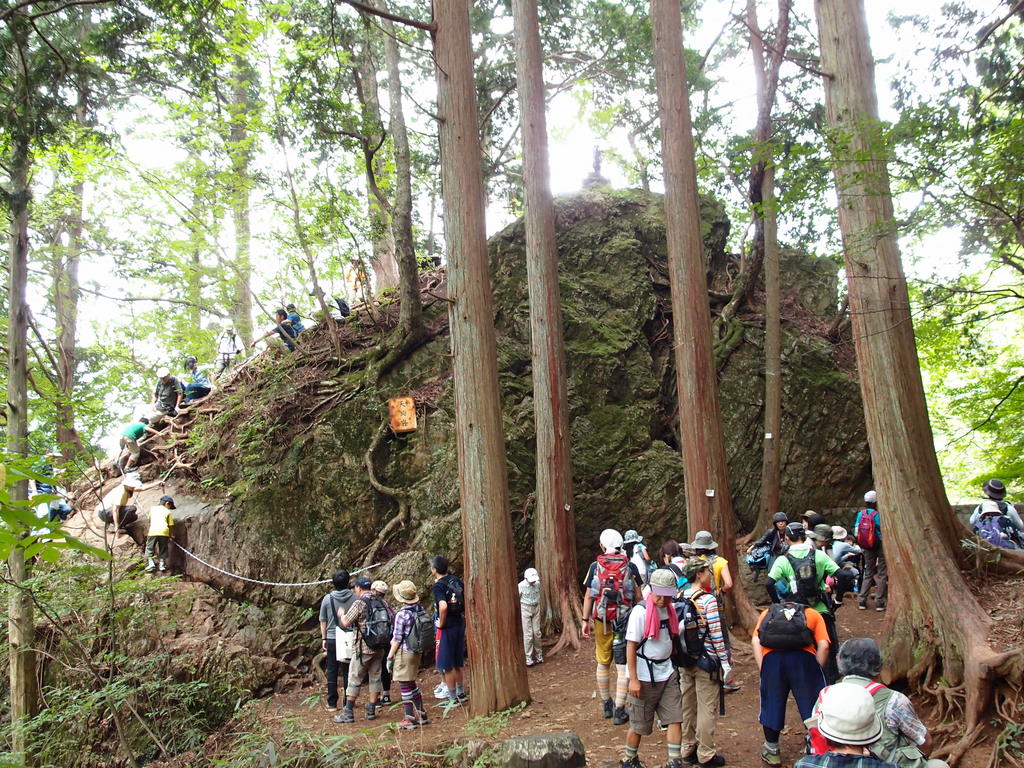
(564, 700)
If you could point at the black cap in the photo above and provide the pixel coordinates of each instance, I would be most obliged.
(780, 517)
(796, 531)
(167, 501)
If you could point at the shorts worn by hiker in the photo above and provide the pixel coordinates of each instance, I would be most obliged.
(451, 647)
(603, 636)
(782, 672)
(663, 699)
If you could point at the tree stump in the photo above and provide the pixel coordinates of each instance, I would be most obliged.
(544, 750)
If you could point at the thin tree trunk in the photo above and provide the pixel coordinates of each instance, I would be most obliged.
(21, 624)
(708, 500)
(770, 463)
(410, 317)
(241, 153)
(554, 519)
(383, 262)
(937, 630)
(197, 243)
(494, 628)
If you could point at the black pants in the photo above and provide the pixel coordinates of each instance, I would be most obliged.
(831, 669)
(334, 669)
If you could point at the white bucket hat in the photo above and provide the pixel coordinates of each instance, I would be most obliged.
(847, 715)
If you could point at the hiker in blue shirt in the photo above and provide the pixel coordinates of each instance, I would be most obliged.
(869, 537)
(295, 320)
(200, 385)
(283, 328)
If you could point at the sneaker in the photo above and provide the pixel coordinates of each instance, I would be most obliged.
(662, 726)
(620, 716)
(408, 724)
(713, 762)
(529, 662)
(732, 687)
(371, 711)
(345, 716)
(385, 699)
(423, 719)
(633, 762)
(449, 704)
(540, 659)
(879, 607)
(862, 606)
(770, 758)
(441, 691)
(162, 567)
(608, 707)
(462, 696)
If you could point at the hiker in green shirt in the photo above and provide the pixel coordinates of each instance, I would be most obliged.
(130, 437)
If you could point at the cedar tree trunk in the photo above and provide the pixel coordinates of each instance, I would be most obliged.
(493, 623)
(240, 153)
(554, 518)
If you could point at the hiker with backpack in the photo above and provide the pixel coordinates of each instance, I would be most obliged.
(413, 634)
(652, 634)
(381, 590)
(706, 548)
(449, 603)
(762, 553)
(611, 589)
(904, 740)
(847, 555)
(635, 549)
(336, 641)
(994, 490)
(850, 727)
(868, 530)
(529, 609)
(706, 663)
(995, 527)
(791, 647)
(800, 576)
(371, 618)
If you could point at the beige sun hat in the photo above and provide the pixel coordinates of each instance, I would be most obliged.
(405, 592)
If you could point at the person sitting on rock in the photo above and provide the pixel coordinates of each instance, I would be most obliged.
(847, 555)
(130, 437)
(904, 740)
(849, 725)
(653, 679)
(367, 661)
(166, 395)
(200, 385)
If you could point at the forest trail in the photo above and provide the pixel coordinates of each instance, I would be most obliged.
(564, 700)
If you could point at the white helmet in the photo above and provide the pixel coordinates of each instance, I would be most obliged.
(611, 540)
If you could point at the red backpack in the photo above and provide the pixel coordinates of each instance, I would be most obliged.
(867, 536)
(615, 587)
(817, 742)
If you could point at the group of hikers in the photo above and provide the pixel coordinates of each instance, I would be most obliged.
(661, 625)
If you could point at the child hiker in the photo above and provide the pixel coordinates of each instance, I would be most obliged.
(413, 628)
(160, 524)
(529, 605)
(653, 679)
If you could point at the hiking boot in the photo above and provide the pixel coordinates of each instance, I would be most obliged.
(690, 759)
(713, 762)
(608, 707)
(620, 716)
(633, 762)
(771, 758)
(371, 711)
(345, 716)
(408, 724)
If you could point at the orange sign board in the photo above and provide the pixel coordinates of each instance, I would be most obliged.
(402, 412)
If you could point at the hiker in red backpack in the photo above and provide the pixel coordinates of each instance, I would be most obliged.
(904, 740)
(868, 530)
(611, 589)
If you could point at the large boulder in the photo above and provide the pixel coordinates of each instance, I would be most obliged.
(286, 455)
(542, 750)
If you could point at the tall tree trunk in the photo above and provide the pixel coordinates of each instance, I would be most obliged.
(765, 248)
(708, 500)
(197, 249)
(240, 153)
(555, 517)
(21, 623)
(410, 317)
(494, 628)
(65, 290)
(383, 262)
(938, 633)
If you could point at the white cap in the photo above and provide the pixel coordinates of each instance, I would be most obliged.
(871, 497)
(531, 575)
(163, 371)
(611, 540)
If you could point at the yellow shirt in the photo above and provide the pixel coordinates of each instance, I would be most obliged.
(716, 570)
(160, 521)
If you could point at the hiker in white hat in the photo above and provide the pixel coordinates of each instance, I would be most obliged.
(849, 725)
(529, 608)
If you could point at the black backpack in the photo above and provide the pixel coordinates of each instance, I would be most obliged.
(343, 308)
(692, 632)
(454, 596)
(805, 572)
(785, 628)
(377, 626)
(420, 637)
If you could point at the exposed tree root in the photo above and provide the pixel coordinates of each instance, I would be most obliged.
(402, 517)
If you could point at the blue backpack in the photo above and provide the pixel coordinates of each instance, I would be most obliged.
(997, 530)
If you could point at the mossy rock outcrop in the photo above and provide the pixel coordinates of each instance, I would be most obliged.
(297, 502)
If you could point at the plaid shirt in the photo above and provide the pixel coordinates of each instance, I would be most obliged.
(839, 760)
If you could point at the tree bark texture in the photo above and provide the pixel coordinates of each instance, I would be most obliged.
(410, 315)
(240, 153)
(554, 517)
(937, 631)
(708, 500)
(493, 623)
(770, 466)
(20, 624)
